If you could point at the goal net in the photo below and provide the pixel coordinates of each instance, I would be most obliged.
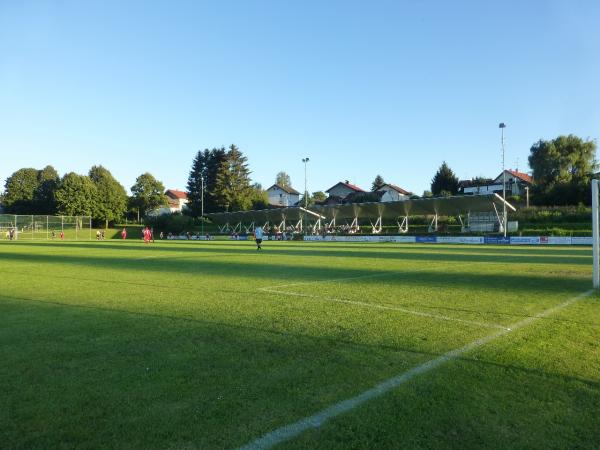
(596, 233)
(45, 227)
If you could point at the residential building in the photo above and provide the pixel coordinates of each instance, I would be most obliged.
(176, 202)
(516, 184)
(393, 193)
(343, 190)
(283, 195)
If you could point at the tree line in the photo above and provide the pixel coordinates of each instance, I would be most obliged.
(219, 177)
(219, 180)
(97, 194)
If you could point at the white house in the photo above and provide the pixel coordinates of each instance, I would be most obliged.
(393, 193)
(516, 183)
(283, 195)
(176, 202)
(343, 190)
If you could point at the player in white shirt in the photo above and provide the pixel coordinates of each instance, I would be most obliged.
(258, 237)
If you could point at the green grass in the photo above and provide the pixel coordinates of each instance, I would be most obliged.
(191, 345)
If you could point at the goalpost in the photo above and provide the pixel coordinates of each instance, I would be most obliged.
(595, 234)
(30, 227)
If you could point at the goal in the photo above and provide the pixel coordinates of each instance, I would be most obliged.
(595, 233)
(45, 227)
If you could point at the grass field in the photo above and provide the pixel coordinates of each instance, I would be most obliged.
(186, 345)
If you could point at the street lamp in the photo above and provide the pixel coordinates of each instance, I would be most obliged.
(305, 161)
(502, 126)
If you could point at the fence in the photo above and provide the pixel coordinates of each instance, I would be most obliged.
(45, 227)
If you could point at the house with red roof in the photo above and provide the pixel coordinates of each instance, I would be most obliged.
(343, 189)
(177, 200)
(392, 193)
(516, 184)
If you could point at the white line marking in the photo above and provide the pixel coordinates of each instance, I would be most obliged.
(334, 280)
(277, 290)
(316, 420)
(147, 257)
(390, 308)
(371, 275)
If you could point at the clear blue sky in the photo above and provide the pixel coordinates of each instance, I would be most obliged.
(362, 88)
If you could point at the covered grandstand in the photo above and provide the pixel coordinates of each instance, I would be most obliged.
(320, 219)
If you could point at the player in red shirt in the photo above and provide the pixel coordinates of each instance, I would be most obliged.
(124, 234)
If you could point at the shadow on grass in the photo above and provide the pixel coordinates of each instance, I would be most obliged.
(511, 279)
(135, 315)
(212, 384)
(412, 252)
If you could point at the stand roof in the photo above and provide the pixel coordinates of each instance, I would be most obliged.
(445, 206)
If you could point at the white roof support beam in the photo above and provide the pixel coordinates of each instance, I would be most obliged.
(377, 226)
(433, 226)
(403, 226)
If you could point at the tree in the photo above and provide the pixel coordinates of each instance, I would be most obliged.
(111, 200)
(148, 193)
(206, 164)
(259, 197)
(31, 191)
(306, 200)
(76, 195)
(377, 183)
(319, 196)
(283, 179)
(232, 188)
(444, 181)
(562, 170)
(20, 190)
(481, 181)
(44, 195)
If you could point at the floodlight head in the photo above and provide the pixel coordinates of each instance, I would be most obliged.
(502, 125)
(305, 160)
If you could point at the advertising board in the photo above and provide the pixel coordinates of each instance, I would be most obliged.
(460, 240)
(581, 240)
(524, 240)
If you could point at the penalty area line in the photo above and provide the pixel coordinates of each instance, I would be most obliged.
(388, 308)
(292, 430)
(358, 277)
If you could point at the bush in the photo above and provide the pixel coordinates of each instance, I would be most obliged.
(173, 223)
(555, 214)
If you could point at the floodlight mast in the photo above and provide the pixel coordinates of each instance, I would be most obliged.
(305, 161)
(502, 126)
